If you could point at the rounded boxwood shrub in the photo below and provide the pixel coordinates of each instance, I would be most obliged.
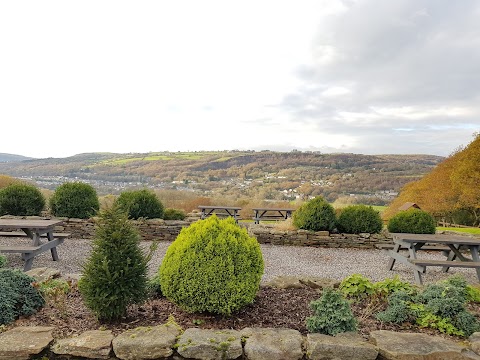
(315, 215)
(74, 200)
(21, 200)
(413, 221)
(174, 214)
(140, 204)
(212, 266)
(115, 274)
(356, 219)
(17, 295)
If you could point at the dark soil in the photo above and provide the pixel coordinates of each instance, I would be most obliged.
(277, 308)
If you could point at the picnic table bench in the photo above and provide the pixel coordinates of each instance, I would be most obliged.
(271, 214)
(36, 230)
(415, 243)
(220, 211)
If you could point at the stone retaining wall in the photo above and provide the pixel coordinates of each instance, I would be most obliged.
(169, 341)
(167, 230)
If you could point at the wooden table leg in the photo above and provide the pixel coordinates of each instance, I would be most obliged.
(391, 262)
(475, 257)
(53, 250)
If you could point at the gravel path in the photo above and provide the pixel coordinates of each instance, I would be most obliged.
(279, 260)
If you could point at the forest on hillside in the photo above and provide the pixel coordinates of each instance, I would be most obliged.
(265, 175)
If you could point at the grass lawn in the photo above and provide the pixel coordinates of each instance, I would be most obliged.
(473, 231)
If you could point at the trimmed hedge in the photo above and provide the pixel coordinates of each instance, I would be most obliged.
(21, 200)
(315, 215)
(212, 266)
(74, 200)
(413, 221)
(356, 219)
(140, 204)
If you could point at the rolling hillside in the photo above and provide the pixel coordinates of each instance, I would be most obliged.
(266, 174)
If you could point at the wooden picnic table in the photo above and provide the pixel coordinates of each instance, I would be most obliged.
(271, 214)
(220, 210)
(36, 230)
(453, 244)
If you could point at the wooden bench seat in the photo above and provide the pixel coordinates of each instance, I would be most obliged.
(445, 263)
(424, 247)
(19, 249)
(22, 234)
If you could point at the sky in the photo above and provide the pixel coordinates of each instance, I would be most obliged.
(356, 76)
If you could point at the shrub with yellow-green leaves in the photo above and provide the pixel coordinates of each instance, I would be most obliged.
(213, 266)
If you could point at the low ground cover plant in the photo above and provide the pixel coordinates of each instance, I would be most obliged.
(20, 199)
(74, 200)
(140, 204)
(413, 221)
(212, 266)
(18, 297)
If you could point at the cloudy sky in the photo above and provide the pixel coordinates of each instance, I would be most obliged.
(361, 76)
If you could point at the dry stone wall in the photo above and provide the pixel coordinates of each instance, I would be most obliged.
(167, 230)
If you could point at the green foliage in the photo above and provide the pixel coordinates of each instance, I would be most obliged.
(356, 285)
(74, 200)
(473, 293)
(153, 287)
(17, 295)
(140, 204)
(439, 306)
(315, 215)
(392, 285)
(20, 200)
(332, 314)
(54, 288)
(212, 266)
(115, 274)
(398, 310)
(356, 219)
(174, 214)
(3, 261)
(413, 221)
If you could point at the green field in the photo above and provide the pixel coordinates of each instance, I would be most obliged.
(473, 231)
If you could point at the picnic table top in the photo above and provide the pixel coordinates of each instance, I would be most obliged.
(273, 209)
(219, 207)
(29, 223)
(436, 238)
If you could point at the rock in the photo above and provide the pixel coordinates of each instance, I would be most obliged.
(475, 342)
(146, 342)
(318, 282)
(42, 274)
(94, 344)
(74, 277)
(272, 344)
(285, 282)
(339, 347)
(21, 342)
(207, 344)
(413, 346)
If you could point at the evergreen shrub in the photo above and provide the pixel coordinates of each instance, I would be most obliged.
(115, 274)
(74, 200)
(140, 204)
(21, 199)
(212, 266)
(356, 219)
(174, 214)
(17, 295)
(315, 215)
(3, 261)
(413, 221)
(332, 314)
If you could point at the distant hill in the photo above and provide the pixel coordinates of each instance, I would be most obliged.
(235, 174)
(451, 190)
(12, 158)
